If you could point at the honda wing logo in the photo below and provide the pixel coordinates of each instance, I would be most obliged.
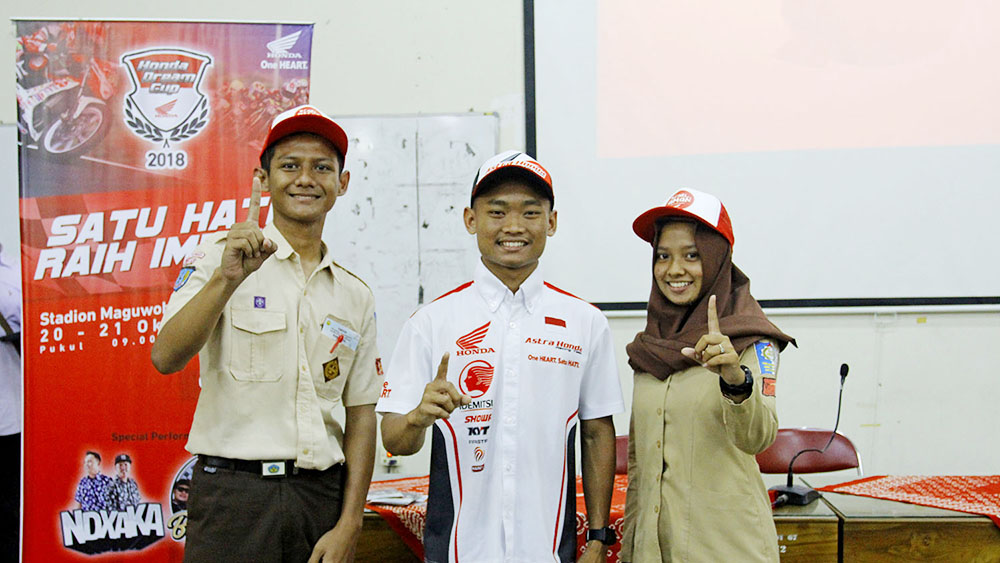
(279, 48)
(472, 340)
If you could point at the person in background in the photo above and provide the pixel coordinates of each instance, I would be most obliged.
(10, 406)
(123, 490)
(179, 495)
(92, 490)
(505, 369)
(284, 335)
(703, 396)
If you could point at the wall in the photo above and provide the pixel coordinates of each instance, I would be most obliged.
(919, 395)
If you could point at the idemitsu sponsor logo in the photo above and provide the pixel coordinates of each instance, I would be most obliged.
(468, 344)
(99, 531)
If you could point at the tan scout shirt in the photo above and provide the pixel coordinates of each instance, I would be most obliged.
(695, 492)
(269, 382)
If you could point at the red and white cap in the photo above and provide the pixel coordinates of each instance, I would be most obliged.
(519, 163)
(306, 119)
(685, 202)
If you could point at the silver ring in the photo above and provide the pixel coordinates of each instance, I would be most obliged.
(722, 349)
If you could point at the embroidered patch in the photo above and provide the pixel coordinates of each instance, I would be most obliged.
(768, 386)
(183, 277)
(193, 257)
(259, 302)
(331, 369)
(378, 366)
(767, 358)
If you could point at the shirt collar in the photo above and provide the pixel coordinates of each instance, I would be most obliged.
(285, 249)
(494, 292)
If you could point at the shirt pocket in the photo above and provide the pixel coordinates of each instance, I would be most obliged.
(333, 373)
(330, 379)
(258, 345)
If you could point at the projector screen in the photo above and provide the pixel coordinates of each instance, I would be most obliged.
(855, 144)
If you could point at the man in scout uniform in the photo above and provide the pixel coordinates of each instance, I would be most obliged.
(284, 335)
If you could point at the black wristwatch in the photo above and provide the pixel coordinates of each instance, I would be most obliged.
(604, 535)
(737, 390)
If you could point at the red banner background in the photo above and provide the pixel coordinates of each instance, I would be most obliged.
(105, 226)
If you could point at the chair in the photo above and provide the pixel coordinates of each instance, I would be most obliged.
(621, 455)
(840, 455)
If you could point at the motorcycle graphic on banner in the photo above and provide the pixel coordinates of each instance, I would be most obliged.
(136, 139)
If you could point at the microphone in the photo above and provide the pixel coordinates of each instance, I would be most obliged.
(797, 494)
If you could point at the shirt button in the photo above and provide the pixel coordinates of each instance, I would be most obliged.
(301, 330)
(657, 444)
(656, 509)
(509, 468)
(509, 420)
(305, 451)
(659, 412)
(513, 325)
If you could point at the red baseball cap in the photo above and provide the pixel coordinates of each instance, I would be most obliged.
(685, 202)
(518, 162)
(306, 119)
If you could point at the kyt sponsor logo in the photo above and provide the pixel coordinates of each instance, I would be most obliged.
(468, 344)
(478, 430)
(476, 378)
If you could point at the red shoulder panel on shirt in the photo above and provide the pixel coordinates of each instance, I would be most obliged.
(456, 290)
(564, 292)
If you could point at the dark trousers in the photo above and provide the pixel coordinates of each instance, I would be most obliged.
(10, 496)
(240, 516)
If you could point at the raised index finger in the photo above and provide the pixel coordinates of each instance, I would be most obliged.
(442, 373)
(253, 213)
(713, 317)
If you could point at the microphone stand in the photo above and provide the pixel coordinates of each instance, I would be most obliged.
(800, 495)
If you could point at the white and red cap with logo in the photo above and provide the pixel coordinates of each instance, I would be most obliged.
(518, 163)
(685, 202)
(306, 119)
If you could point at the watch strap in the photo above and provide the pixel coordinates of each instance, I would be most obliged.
(741, 389)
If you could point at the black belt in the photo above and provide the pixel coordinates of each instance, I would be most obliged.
(264, 468)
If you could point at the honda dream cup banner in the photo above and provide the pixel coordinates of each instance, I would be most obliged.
(137, 138)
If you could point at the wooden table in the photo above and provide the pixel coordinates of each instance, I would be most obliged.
(886, 531)
(836, 528)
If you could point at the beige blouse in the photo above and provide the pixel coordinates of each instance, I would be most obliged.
(695, 492)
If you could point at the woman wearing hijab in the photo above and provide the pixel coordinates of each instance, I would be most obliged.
(703, 397)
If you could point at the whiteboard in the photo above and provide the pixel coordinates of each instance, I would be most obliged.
(399, 226)
(855, 145)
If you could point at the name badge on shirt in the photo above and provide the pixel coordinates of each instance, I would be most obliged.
(335, 331)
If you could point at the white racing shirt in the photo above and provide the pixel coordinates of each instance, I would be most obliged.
(503, 477)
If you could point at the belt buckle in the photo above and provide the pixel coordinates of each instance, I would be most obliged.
(272, 469)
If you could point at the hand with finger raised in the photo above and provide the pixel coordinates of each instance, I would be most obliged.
(246, 247)
(439, 400)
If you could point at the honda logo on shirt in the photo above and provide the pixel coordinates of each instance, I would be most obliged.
(469, 343)
(476, 378)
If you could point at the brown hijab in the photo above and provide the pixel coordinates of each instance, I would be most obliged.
(669, 327)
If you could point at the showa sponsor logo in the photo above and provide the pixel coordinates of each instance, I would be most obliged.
(100, 531)
(166, 104)
(281, 54)
(469, 343)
